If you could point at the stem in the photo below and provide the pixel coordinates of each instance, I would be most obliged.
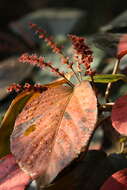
(80, 74)
(94, 88)
(60, 74)
(75, 74)
(69, 82)
(93, 85)
(116, 67)
(79, 70)
(92, 81)
(62, 55)
(106, 107)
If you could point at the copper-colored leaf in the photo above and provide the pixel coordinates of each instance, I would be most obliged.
(59, 81)
(118, 181)
(122, 46)
(119, 115)
(7, 124)
(122, 54)
(8, 121)
(53, 129)
(11, 176)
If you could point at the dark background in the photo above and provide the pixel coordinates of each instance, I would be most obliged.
(99, 12)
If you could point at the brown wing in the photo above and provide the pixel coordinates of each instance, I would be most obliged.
(53, 129)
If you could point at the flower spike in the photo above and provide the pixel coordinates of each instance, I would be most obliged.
(49, 40)
(82, 54)
(39, 61)
(43, 35)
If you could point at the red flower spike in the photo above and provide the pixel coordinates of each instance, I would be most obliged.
(49, 40)
(27, 86)
(39, 61)
(43, 35)
(14, 87)
(83, 54)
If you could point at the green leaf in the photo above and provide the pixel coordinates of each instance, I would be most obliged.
(8, 121)
(106, 78)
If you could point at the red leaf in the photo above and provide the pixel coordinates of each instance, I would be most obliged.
(118, 181)
(53, 129)
(122, 53)
(122, 46)
(119, 115)
(11, 176)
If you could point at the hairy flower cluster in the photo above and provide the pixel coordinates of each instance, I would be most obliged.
(39, 61)
(83, 54)
(26, 86)
(43, 35)
(14, 87)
